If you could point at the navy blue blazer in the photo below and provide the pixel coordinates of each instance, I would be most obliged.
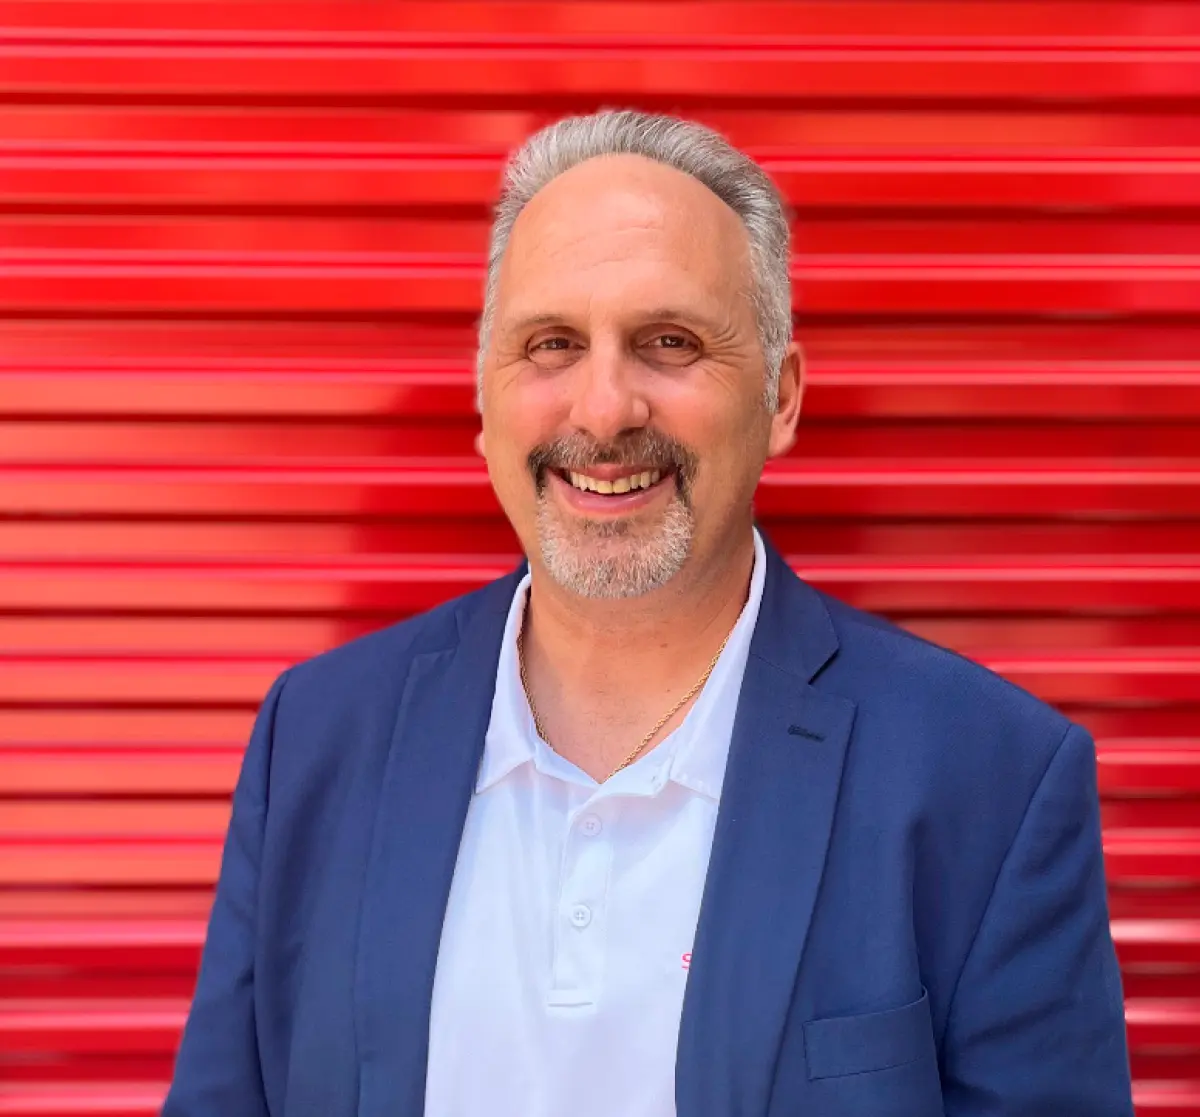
(904, 914)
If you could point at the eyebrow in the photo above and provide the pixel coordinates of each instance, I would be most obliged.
(531, 322)
(656, 314)
(684, 317)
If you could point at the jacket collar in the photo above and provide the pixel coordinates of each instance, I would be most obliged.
(768, 854)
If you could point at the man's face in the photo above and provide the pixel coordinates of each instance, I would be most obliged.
(623, 417)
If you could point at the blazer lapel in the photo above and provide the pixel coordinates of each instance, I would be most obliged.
(427, 786)
(772, 833)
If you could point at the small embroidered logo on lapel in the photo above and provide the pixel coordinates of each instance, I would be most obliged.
(807, 734)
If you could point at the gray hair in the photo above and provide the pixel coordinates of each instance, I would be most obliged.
(688, 147)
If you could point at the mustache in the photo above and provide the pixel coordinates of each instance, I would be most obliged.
(649, 449)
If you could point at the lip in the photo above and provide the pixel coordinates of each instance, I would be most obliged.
(614, 504)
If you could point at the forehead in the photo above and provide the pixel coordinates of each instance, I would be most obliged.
(622, 230)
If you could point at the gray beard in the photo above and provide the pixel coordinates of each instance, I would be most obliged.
(613, 559)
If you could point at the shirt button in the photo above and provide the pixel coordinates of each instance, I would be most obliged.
(581, 915)
(591, 825)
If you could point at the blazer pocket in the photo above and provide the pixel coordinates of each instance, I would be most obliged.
(840, 1045)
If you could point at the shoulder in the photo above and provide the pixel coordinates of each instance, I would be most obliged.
(371, 669)
(332, 716)
(942, 717)
(893, 664)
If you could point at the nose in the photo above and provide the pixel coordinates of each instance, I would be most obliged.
(607, 396)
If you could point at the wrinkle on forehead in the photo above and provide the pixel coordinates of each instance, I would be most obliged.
(623, 210)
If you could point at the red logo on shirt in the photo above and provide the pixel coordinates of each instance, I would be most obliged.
(687, 960)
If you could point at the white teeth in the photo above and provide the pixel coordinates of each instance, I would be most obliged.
(620, 485)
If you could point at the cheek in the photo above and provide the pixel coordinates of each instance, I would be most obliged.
(513, 428)
(527, 410)
(731, 456)
(506, 462)
(511, 484)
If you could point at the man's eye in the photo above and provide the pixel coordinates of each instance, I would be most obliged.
(671, 341)
(553, 352)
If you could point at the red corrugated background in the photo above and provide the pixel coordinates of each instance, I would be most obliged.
(240, 258)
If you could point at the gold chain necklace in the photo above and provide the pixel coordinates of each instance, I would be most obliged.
(537, 721)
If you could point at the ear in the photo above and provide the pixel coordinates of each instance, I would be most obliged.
(479, 445)
(791, 392)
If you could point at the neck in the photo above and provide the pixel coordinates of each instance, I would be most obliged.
(602, 672)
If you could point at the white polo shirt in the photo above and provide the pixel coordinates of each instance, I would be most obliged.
(568, 933)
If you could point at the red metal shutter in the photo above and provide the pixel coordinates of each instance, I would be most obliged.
(240, 256)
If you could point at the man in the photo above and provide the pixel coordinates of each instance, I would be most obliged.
(652, 827)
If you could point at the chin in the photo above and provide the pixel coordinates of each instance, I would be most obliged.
(616, 564)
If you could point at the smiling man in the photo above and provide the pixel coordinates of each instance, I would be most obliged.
(650, 826)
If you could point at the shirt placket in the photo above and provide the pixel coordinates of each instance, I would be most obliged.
(581, 906)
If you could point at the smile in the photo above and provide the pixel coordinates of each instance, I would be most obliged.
(615, 485)
(619, 492)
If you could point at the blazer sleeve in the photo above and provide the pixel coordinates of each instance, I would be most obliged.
(1036, 1027)
(217, 1072)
